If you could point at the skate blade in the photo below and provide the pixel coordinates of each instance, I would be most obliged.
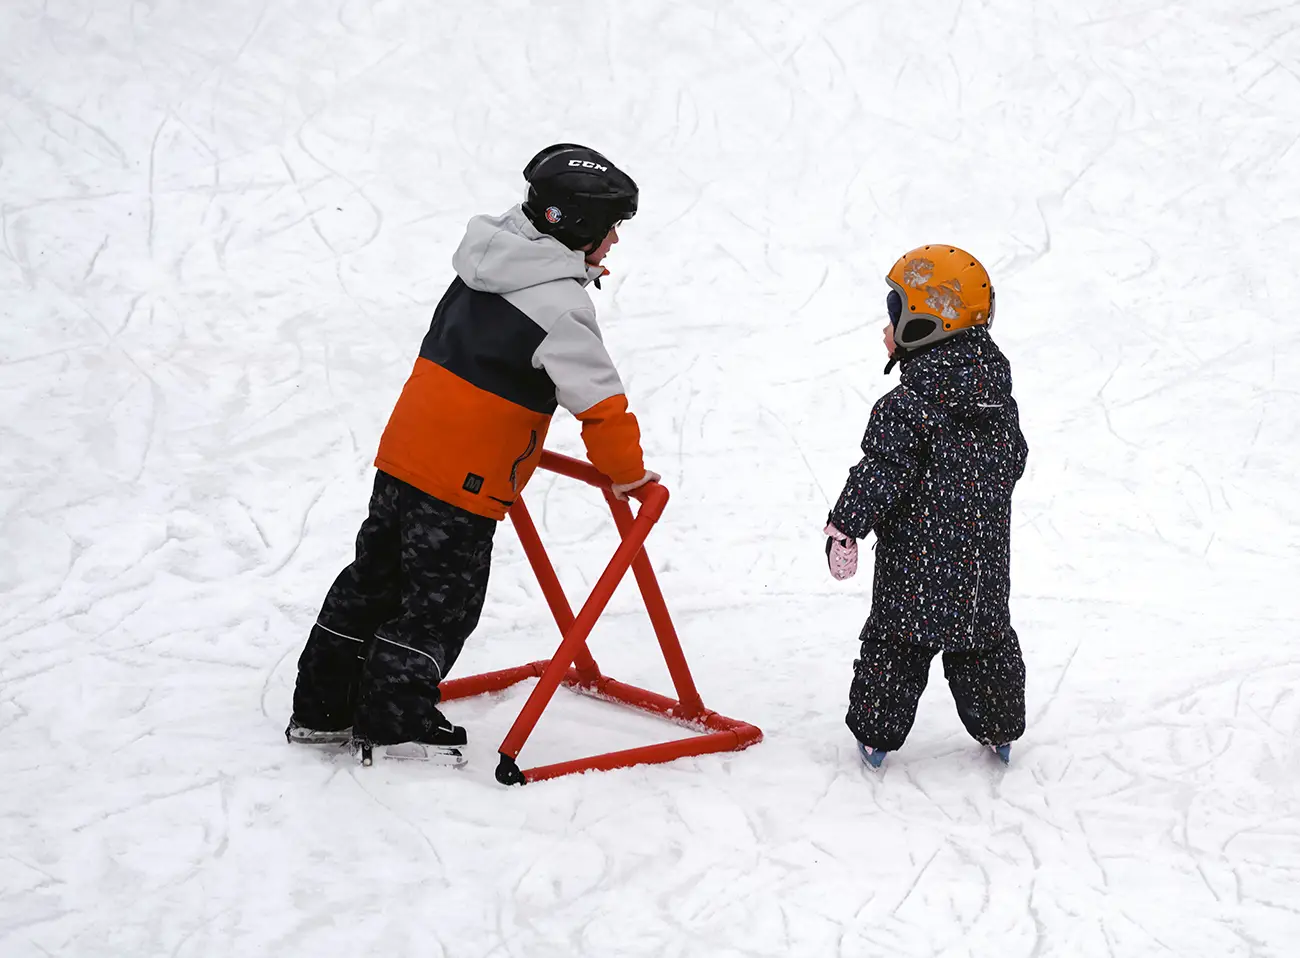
(445, 755)
(309, 737)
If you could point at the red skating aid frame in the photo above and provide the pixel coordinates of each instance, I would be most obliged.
(572, 664)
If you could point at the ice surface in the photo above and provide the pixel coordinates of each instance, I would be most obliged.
(224, 227)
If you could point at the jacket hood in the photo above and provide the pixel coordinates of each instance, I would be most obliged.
(966, 375)
(502, 254)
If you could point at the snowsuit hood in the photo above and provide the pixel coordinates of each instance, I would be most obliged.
(506, 253)
(966, 376)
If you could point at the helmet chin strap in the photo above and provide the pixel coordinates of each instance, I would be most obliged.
(897, 356)
(902, 355)
(894, 306)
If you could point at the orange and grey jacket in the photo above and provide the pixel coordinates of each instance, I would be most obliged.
(514, 335)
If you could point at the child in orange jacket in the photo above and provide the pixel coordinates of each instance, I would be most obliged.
(514, 336)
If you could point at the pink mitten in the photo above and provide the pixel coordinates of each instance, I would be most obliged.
(841, 553)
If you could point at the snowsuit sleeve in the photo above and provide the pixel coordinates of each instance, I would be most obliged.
(587, 385)
(892, 448)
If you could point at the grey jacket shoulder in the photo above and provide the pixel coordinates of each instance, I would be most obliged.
(546, 281)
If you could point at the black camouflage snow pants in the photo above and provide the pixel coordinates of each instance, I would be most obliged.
(988, 686)
(395, 620)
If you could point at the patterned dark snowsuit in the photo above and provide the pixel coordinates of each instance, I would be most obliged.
(942, 453)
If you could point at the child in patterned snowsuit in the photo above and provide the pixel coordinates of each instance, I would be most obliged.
(514, 336)
(941, 455)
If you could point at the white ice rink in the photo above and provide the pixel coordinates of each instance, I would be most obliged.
(225, 226)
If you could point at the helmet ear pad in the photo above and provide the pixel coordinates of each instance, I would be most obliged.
(576, 221)
(911, 328)
(559, 219)
(916, 331)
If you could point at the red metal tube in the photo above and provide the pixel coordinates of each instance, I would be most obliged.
(573, 468)
(687, 694)
(642, 699)
(471, 685)
(642, 755)
(576, 636)
(531, 540)
(652, 495)
(726, 734)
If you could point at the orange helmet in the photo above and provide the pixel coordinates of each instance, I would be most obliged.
(943, 290)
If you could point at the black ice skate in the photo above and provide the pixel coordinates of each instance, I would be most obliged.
(444, 745)
(301, 735)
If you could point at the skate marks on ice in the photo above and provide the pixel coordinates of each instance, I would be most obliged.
(223, 234)
(788, 848)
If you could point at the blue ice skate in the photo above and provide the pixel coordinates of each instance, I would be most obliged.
(1003, 752)
(871, 757)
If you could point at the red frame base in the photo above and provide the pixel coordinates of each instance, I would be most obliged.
(572, 664)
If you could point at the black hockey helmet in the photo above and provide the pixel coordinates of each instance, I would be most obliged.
(577, 195)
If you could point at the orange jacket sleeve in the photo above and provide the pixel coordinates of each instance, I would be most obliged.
(613, 439)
